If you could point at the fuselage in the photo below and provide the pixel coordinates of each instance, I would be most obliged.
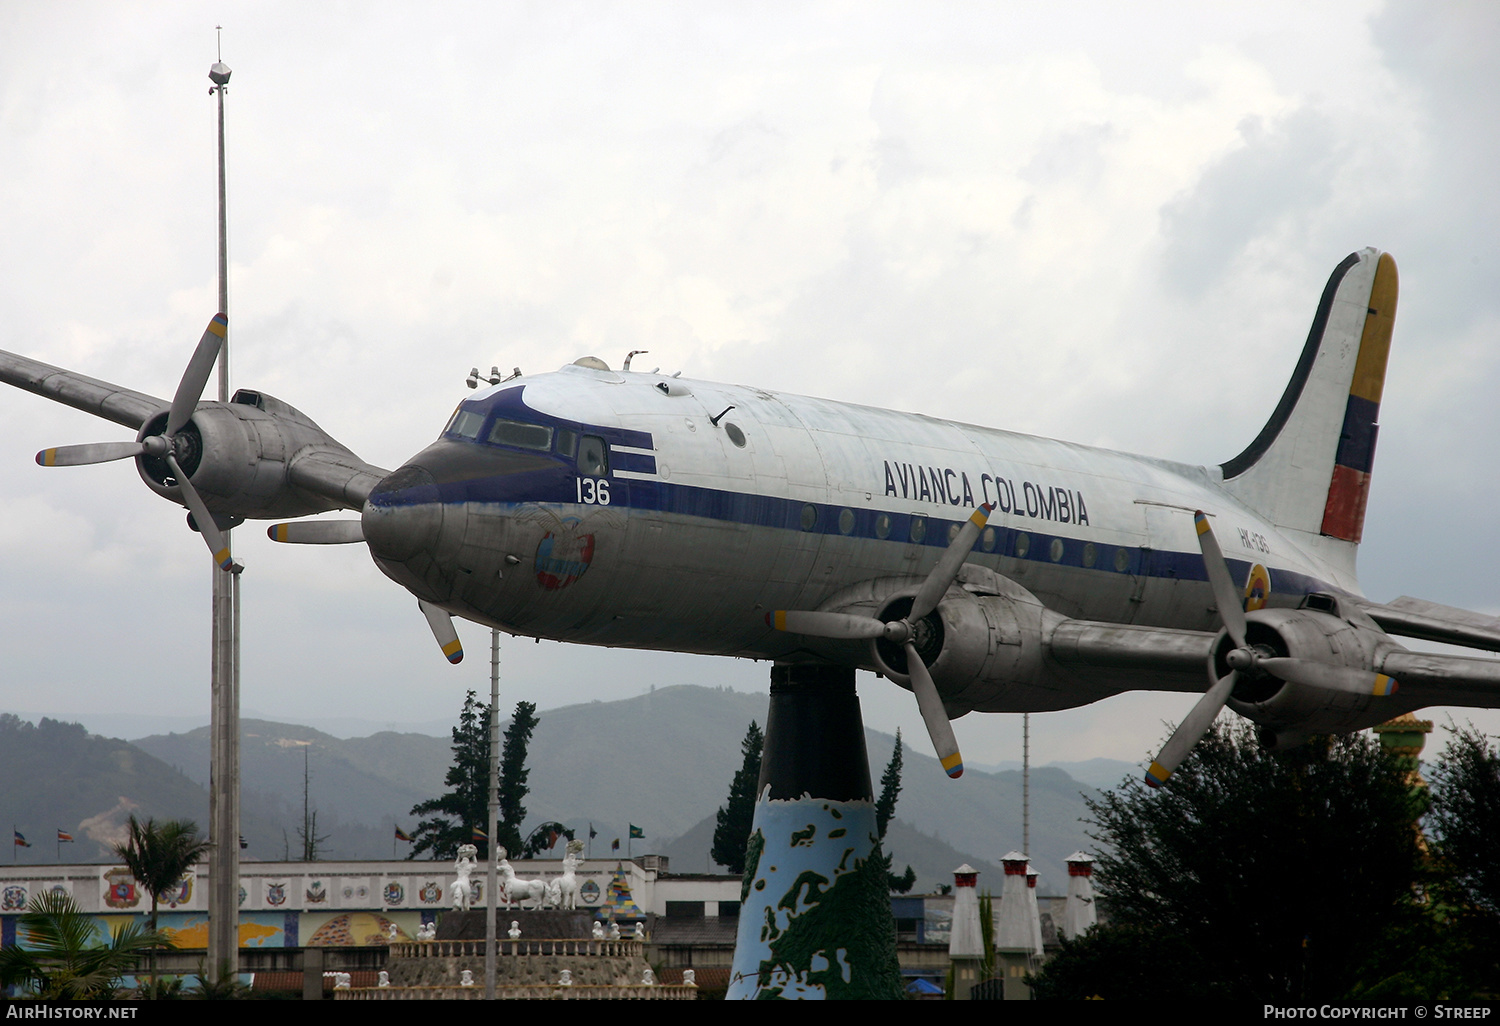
(633, 510)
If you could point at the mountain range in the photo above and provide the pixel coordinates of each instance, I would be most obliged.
(661, 761)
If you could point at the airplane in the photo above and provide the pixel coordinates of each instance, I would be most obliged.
(981, 569)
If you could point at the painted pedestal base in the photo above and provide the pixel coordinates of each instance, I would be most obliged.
(816, 915)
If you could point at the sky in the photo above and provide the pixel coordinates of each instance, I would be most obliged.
(1100, 222)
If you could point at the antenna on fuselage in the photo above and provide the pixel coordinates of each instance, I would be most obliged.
(632, 355)
(493, 378)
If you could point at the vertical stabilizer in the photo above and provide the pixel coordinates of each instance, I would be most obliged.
(1308, 471)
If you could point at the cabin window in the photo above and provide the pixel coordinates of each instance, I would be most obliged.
(521, 436)
(987, 539)
(846, 521)
(953, 530)
(593, 456)
(1023, 545)
(809, 517)
(918, 528)
(1090, 554)
(883, 526)
(1122, 559)
(735, 434)
(466, 424)
(1056, 551)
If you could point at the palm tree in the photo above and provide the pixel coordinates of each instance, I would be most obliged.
(158, 856)
(61, 960)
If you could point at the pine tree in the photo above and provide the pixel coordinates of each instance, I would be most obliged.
(735, 817)
(885, 808)
(513, 774)
(466, 804)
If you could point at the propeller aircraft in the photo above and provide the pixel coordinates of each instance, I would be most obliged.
(981, 569)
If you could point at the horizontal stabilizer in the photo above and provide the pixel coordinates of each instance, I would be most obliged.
(1431, 621)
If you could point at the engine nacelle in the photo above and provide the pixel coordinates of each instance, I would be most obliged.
(982, 645)
(237, 455)
(1289, 713)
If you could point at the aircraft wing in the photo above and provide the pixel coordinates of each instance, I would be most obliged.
(1430, 621)
(121, 405)
(335, 474)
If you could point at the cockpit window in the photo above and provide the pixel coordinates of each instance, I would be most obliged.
(522, 436)
(593, 456)
(567, 442)
(466, 424)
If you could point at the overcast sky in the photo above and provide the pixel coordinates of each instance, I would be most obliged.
(1106, 222)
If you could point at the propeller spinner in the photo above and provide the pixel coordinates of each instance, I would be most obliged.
(1244, 658)
(164, 445)
(845, 626)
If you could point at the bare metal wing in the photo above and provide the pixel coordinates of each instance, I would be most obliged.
(121, 405)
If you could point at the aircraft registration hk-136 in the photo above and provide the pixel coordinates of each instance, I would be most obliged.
(981, 569)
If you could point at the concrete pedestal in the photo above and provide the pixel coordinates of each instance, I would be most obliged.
(816, 916)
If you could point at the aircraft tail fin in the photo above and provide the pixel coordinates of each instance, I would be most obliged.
(1308, 470)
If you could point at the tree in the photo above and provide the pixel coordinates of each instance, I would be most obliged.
(61, 960)
(513, 776)
(1466, 816)
(159, 856)
(885, 808)
(466, 805)
(736, 816)
(1254, 877)
(312, 841)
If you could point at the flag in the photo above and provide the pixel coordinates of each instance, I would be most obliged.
(63, 835)
(21, 841)
(592, 832)
(636, 832)
(552, 836)
(401, 835)
(243, 843)
(479, 835)
(613, 845)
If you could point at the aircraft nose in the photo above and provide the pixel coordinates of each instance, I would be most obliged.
(404, 515)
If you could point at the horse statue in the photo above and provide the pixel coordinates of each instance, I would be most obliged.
(515, 890)
(460, 891)
(563, 892)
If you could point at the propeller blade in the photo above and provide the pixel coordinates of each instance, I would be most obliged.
(946, 570)
(1193, 726)
(1226, 596)
(317, 532)
(933, 714)
(91, 452)
(195, 378)
(1333, 678)
(825, 625)
(442, 628)
(202, 517)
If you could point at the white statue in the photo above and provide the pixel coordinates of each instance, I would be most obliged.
(598, 930)
(385, 979)
(341, 981)
(563, 892)
(459, 891)
(515, 890)
(390, 931)
(566, 979)
(648, 979)
(689, 978)
(427, 932)
(614, 931)
(640, 931)
(514, 933)
(467, 979)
